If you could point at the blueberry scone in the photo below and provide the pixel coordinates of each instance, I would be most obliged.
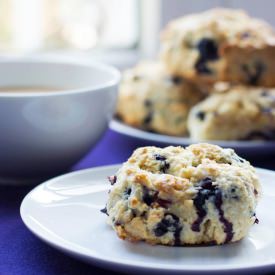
(236, 113)
(220, 45)
(202, 194)
(151, 99)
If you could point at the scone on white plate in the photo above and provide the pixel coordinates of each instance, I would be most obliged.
(153, 100)
(202, 194)
(220, 45)
(236, 113)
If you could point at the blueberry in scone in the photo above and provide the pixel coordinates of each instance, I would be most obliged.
(208, 50)
(151, 99)
(220, 45)
(205, 195)
(235, 113)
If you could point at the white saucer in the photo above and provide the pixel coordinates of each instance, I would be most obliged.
(246, 146)
(65, 213)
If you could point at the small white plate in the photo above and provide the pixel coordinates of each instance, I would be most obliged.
(246, 147)
(65, 212)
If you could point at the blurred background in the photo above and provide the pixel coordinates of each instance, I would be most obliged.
(114, 31)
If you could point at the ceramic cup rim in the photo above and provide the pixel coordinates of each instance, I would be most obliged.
(113, 75)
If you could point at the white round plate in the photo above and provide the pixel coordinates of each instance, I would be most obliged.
(65, 213)
(247, 147)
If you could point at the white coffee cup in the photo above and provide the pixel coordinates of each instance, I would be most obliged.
(43, 133)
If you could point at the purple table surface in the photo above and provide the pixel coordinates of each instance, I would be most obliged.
(22, 253)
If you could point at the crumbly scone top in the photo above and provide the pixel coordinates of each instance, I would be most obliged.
(233, 27)
(152, 73)
(251, 101)
(176, 171)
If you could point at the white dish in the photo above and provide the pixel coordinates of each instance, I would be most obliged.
(44, 133)
(65, 212)
(246, 147)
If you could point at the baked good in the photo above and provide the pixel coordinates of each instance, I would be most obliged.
(151, 99)
(220, 45)
(236, 113)
(202, 194)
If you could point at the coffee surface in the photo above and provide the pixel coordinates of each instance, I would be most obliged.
(27, 89)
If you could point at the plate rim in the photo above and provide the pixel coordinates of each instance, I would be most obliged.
(122, 128)
(104, 262)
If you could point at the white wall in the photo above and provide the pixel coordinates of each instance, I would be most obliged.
(264, 9)
(171, 9)
(259, 8)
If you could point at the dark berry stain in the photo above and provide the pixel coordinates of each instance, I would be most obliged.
(112, 179)
(127, 193)
(202, 68)
(118, 117)
(208, 52)
(151, 131)
(164, 165)
(207, 184)
(200, 115)
(148, 103)
(241, 160)
(208, 49)
(177, 241)
(134, 213)
(234, 196)
(238, 159)
(160, 157)
(245, 35)
(149, 117)
(104, 211)
(175, 80)
(206, 189)
(253, 74)
(264, 93)
(161, 228)
(228, 227)
(149, 196)
(169, 223)
(256, 219)
(163, 203)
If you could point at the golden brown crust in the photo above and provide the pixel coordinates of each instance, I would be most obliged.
(242, 64)
(188, 46)
(157, 194)
(237, 112)
(151, 99)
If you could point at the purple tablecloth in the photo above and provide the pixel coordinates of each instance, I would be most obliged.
(22, 253)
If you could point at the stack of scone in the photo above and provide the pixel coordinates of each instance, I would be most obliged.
(214, 80)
